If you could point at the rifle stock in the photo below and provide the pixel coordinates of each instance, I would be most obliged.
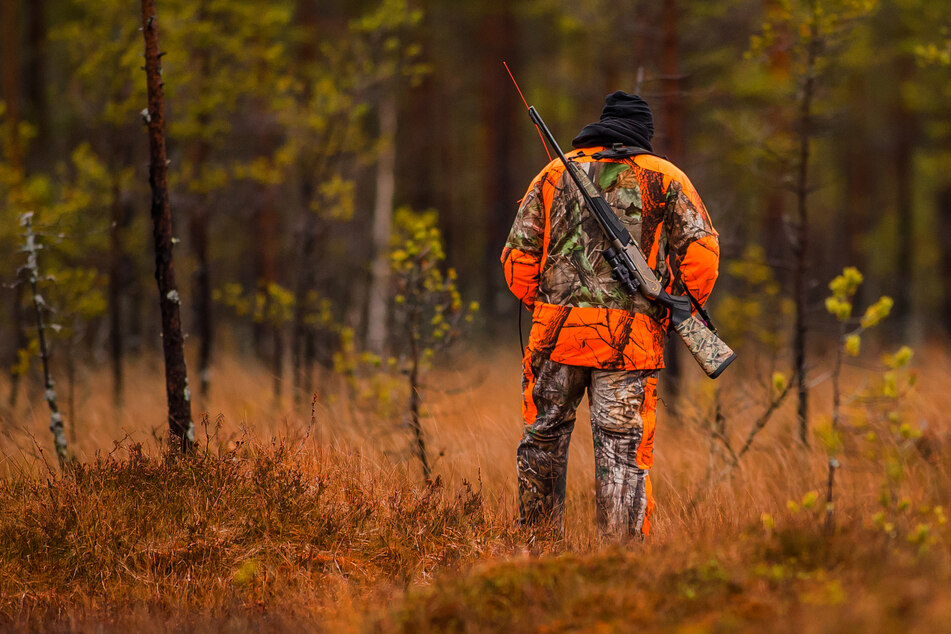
(709, 351)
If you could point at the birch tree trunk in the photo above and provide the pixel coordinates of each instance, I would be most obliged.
(32, 249)
(173, 348)
(382, 218)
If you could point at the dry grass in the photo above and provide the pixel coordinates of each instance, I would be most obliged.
(330, 528)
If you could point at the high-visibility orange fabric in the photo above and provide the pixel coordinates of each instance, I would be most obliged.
(597, 337)
(552, 261)
(645, 450)
(648, 411)
(649, 489)
(698, 270)
(521, 274)
(529, 410)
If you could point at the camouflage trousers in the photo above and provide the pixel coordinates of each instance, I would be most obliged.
(622, 405)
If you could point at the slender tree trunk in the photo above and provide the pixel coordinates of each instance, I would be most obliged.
(498, 37)
(902, 157)
(198, 219)
(421, 128)
(775, 238)
(71, 390)
(10, 54)
(173, 348)
(36, 80)
(204, 320)
(116, 286)
(414, 398)
(673, 131)
(308, 17)
(269, 327)
(277, 335)
(836, 407)
(265, 268)
(801, 240)
(32, 249)
(673, 91)
(944, 220)
(302, 333)
(382, 217)
(860, 187)
(10, 85)
(425, 130)
(310, 358)
(21, 342)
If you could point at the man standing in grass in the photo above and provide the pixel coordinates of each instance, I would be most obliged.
(587, 333)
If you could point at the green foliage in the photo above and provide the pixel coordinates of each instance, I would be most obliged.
(839, 304)
(936, 54)
(272, 304)
(384, 47)
(829, 437)
(21, 364)
(899, 359)
(779, 382)
(76, 298)
(427, 306)
(877, 312)
(757, 312)
(879, 432)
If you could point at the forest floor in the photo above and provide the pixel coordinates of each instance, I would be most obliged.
(315, 517)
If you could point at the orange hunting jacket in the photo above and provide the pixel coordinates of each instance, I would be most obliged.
(552, 259)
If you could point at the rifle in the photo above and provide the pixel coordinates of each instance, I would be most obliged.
(632, 272)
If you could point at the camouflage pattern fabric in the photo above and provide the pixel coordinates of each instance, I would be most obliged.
(553, 260)
(705, 346)
(622, 405)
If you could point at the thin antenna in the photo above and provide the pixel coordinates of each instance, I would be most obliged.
(527, 107)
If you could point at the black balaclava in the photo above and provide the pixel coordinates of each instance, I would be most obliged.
(626, 119)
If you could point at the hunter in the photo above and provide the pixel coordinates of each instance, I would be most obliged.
(589, 335)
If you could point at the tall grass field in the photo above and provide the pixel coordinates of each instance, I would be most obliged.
(311, 514)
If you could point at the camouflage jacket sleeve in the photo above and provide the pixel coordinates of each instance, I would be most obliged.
(693, 252)
(524, 250)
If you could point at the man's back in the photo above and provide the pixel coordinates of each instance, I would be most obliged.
(553, 258)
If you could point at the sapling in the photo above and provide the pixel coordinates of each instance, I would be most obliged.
(839, 304)
(427, 306)
(807, 35)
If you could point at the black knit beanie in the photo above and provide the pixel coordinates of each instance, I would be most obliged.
(625, 119)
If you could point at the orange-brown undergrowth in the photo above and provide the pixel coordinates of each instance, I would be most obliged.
(329, 527)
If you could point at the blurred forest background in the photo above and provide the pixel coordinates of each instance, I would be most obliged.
(297, 129)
